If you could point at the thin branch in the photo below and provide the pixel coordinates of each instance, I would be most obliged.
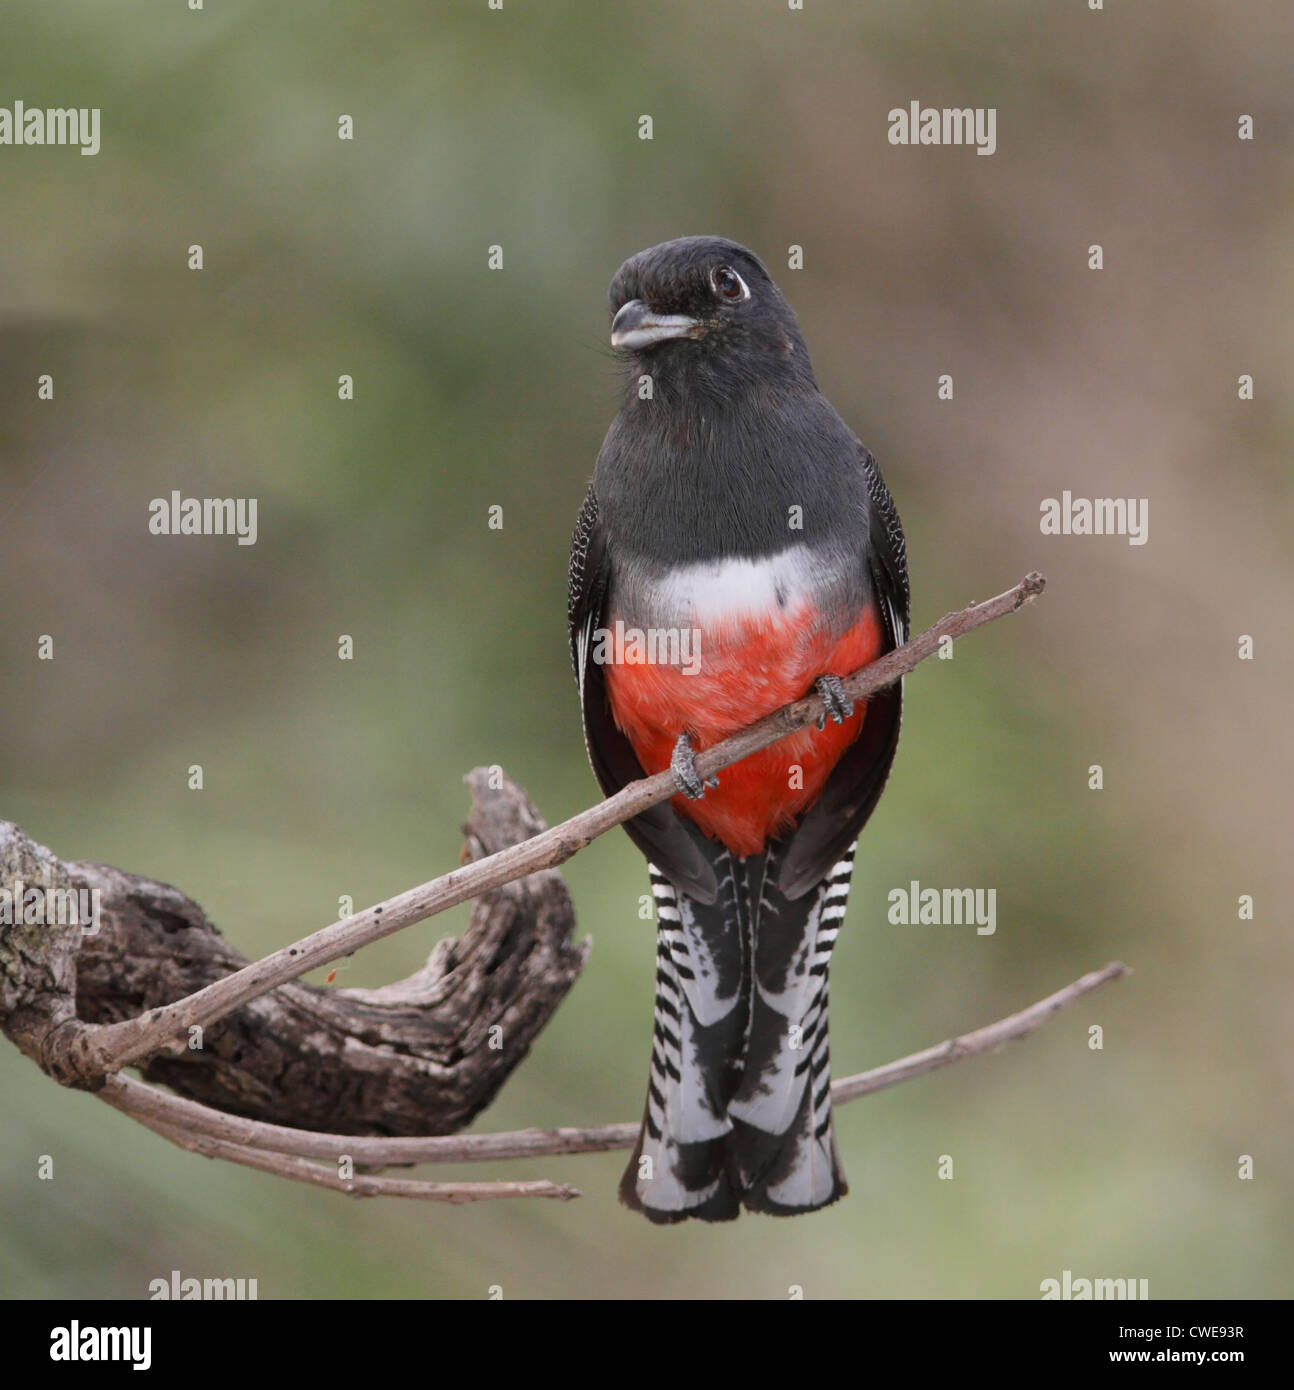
(361, 1184)
(987, 1039)
(161, 1111)
(110, 1047)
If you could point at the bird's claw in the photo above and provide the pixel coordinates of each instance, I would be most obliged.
(839, 706)
(682, 765)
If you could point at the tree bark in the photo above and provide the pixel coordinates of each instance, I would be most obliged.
(422, 1056)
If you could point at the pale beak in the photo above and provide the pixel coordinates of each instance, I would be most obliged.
(635, 326)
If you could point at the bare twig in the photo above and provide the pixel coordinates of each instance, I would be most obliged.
(987, 1039)
(360, 1184)
(167, 1113)
(108, 1048)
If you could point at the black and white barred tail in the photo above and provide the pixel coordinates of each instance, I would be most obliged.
(739, 1099)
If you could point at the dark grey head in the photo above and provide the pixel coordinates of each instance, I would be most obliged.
(705, 308)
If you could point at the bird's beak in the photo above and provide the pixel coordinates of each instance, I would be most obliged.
(635, 326)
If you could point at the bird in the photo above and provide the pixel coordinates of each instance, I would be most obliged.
(737, 549)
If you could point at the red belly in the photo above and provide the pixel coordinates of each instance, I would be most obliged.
(747, 670)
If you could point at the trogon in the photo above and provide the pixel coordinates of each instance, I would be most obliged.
(737, 549)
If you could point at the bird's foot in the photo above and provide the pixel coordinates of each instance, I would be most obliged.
(683, 766)
(839, 706)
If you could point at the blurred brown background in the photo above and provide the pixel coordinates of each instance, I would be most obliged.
(476, 388)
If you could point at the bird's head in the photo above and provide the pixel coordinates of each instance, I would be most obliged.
(705, 307)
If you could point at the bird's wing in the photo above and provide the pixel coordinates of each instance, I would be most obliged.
(673, 844)
(836, 819)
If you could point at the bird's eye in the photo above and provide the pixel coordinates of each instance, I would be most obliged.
(728, 284)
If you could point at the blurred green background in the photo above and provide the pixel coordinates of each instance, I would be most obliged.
(476, 388)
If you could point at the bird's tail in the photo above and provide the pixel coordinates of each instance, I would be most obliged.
(738, 1105)
(782, 1150)
(702, 983)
